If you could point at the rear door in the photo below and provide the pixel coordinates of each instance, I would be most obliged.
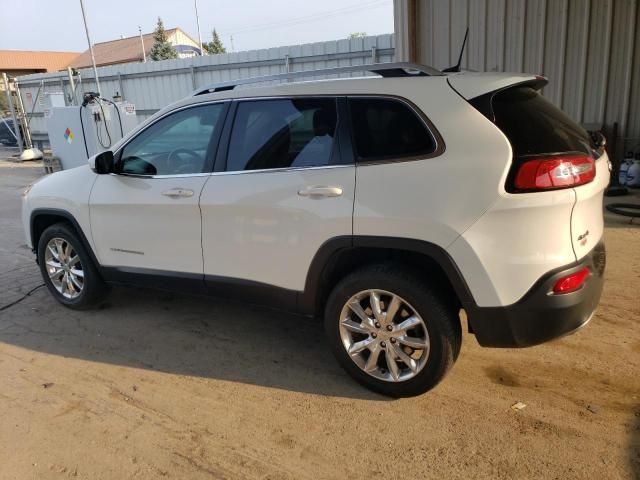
(285, 187)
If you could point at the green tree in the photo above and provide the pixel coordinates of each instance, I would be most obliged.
(162, 49)
(357, 35)
(214, 46)
(4, 104)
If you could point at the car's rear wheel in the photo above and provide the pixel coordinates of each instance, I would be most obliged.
(67, 269)
(391, 331)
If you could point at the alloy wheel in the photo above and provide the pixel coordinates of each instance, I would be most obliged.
(64, 267)
(384, 335)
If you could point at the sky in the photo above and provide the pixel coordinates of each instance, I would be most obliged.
(57, 24)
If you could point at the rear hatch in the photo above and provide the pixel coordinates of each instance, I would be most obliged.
(550, 150)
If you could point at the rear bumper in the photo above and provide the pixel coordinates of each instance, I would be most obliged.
(539, 316)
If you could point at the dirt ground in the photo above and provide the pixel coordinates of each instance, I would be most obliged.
(167, 386)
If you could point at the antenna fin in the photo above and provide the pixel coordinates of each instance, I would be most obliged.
(456, 67)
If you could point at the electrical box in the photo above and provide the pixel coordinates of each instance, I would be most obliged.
(79, 132)
(52, 100)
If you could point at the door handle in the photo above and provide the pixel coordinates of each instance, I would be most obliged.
(178, 193)
(320, 192)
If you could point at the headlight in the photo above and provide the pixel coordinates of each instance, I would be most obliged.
(26, 191)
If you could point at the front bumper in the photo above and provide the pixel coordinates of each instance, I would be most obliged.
(540, 316)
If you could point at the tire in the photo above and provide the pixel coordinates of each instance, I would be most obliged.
(439, 318)
(93, 289)
(627, 209)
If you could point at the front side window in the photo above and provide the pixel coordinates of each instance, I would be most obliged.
(386, 128)
(177, 144)
(283, 133)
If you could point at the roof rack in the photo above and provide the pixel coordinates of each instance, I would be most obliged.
(400, 69)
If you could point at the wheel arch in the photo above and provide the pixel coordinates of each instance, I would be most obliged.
(43, 218)
(341, 255)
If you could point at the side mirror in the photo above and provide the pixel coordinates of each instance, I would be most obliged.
(102, 162)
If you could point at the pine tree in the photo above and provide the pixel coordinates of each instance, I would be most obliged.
(162, 49)
(215, 46)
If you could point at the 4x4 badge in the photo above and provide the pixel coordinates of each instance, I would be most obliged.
(583, 238)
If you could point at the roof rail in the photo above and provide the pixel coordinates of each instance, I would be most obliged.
(401, 69)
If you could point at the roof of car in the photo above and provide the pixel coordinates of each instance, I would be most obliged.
(398, 86)
(334, 86)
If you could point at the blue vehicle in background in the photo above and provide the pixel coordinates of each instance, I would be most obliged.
(7, 136)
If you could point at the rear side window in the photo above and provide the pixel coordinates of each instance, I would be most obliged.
(283, 133)
(385, 128)
(535, 126)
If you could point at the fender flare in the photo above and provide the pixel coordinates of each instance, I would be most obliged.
(336, 245)
(57, 212)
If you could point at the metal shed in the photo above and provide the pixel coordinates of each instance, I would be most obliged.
(589, 50)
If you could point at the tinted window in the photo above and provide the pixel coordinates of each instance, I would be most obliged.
(177, 144)
(534, 126)
(283, 133)
(386, 128)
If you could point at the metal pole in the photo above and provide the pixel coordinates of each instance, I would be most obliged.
(72, 85)
(35, 102)
(17, 133)
(93, 58)
(195, 2)
(144, 53)
(23, 118)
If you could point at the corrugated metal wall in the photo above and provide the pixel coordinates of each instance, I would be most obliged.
(589, 49)
(153, 85)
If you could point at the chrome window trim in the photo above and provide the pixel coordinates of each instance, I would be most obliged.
(435, 135)
(282, 170)
(179, 175)
(236, 172)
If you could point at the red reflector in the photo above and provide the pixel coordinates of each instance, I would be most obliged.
(550, 173)
(572, 282)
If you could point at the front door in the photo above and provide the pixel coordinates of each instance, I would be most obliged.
(146, 218)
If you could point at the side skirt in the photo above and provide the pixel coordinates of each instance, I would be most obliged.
(244, 291)
(156, 279)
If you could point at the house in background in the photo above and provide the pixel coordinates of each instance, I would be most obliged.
(129, 49)
(24, 62)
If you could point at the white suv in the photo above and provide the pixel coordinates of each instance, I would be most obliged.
(384, 204)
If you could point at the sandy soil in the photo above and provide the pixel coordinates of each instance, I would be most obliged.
(166, 386)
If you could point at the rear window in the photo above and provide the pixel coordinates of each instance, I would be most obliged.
(535, 126)
(385, 128)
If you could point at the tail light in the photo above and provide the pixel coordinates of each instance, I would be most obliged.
(572, 282)
(552, 173)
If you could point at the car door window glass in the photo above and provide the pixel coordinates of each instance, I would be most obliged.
(388, 128)
(177, 144)
(283, 133)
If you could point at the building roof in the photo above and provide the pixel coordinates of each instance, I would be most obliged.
(122, 50)
(34, 60)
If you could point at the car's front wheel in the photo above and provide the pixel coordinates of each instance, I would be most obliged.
(67, 269)
(391, 331)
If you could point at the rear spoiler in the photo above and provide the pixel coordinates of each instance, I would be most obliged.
(471, 85)
(483, 92)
